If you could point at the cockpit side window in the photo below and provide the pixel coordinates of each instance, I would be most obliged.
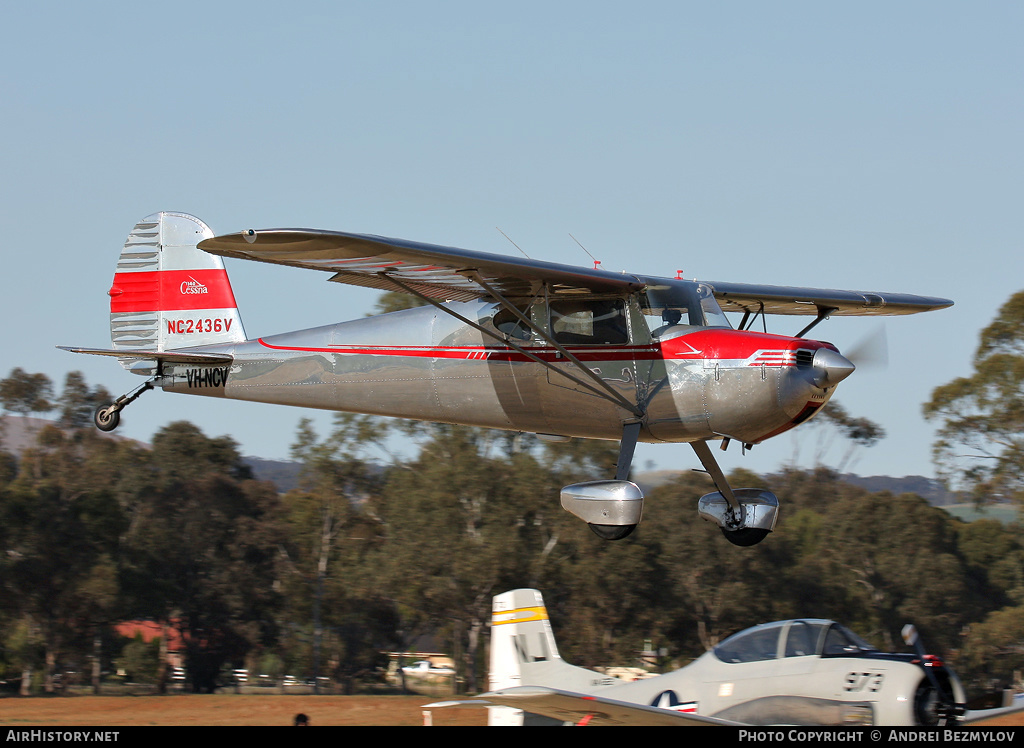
(589, 322)
(752, 645)
(802, 639)
(508, 323)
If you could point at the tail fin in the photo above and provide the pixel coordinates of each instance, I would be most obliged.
(168, 294)
(524, 652)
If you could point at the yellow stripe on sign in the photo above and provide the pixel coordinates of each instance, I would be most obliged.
(519, 615)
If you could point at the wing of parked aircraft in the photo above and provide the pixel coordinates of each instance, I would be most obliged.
(982, 717)
(448, 273)
(582, 709)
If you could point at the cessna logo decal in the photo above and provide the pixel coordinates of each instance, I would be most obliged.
(207, 377)
(192, 286)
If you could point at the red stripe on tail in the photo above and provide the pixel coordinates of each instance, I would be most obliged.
(171, 290)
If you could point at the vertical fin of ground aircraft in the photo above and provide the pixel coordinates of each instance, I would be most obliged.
(524, 653)
(167, 294)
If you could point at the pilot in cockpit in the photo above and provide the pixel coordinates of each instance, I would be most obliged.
(671, 318)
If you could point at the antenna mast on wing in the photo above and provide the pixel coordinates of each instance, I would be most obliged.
(597, 262)
(514, 244)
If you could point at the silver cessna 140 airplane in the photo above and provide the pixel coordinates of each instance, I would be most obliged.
(799, 672)
(505, 343)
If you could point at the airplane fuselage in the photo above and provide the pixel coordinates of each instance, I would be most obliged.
(690, 383)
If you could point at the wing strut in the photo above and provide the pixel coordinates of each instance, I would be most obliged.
(743, 325)
(606, 392)
(630, 434)
(823, 312)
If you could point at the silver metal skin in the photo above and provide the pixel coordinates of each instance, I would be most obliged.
(520, 345)
(760, 508)
(421, 364)
(830, 368)
(604, 502)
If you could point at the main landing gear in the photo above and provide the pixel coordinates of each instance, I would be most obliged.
(107, 417)
(745, 515)
(613, 508)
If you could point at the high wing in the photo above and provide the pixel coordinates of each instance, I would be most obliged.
(746, 297)
(437, 272)
(594, 710)
(447, 273)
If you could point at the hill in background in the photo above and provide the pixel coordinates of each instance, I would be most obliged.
(19, 432)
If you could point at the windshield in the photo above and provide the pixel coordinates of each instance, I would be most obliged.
(691, 304)
(841, 641)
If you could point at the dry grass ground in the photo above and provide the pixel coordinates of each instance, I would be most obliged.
(189, 710)
(142, 711)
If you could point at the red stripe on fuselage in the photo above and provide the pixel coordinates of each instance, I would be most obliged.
(171, 290)
(713, 345)
(710, 344)
(479, 353)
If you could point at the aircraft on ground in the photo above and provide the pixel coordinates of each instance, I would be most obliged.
(798, 672)
(505, 343)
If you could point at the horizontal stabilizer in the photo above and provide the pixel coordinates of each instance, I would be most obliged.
(174, 357)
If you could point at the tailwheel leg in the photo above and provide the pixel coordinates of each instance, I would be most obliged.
(107, 417)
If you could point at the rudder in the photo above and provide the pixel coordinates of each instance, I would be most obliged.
(524, 653)
(167, 293)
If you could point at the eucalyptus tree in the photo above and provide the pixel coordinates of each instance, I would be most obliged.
(339, 619)
(202, 549)
(980, 445)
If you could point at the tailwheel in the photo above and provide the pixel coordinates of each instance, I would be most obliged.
(107, 417)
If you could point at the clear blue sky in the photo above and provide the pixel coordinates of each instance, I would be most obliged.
(870, 145)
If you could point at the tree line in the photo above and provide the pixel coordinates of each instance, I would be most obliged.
(372, 551)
